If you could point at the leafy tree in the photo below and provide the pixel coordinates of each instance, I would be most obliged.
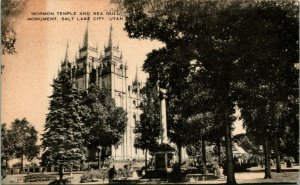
(21, 140)
(164, 65)
(217, 33)
(247, 142)
(289, 143)
(183, 26)
(199, 124)
(105, 123)
(200, 108)
(269, 79)
(9, 10)
(6, 149)
(147, 130)
(63, 137)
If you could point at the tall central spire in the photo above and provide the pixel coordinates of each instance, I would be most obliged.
(136, 79)
(110, 37)
(67, 51)
(136, 74)
(86, 36)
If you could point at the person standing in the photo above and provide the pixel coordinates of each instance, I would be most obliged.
(111, 173)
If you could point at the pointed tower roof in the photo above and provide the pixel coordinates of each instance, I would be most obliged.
(86, 36)
(67, 51)
(110, 37)
(135, 81)
(136, 73)
(75, 58)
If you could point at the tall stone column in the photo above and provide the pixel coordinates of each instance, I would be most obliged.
(164, 155)
(163, 116)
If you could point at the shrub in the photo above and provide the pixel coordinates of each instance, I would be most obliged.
(140, 171)
(38, 178)
(107, 162)
(176, 174)
(57, 182)
(92, 176)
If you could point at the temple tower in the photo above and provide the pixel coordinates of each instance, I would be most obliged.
(108, 70)
(85, 63)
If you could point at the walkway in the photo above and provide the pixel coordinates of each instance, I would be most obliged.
(255, 176)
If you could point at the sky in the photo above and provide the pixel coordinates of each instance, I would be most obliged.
(41, 46)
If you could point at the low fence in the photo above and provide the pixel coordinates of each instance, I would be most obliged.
(35, 169)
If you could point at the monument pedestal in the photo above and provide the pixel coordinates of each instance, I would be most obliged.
(164, 157)
(163, 160)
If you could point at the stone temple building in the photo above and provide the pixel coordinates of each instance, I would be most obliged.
(108, 70)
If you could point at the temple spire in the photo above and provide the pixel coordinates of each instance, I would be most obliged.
(76, 57)
(135, 81)
(136, 73)
(86, 36)
(110, 37)
(67, 51)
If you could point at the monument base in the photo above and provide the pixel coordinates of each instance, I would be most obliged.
(164, 158)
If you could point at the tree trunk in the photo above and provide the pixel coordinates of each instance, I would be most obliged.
(71, 170)
(61, 173)
(277, 153)
(229, 154)
(179, 154)
(203, 151)
(99, 159)
(22, 161)
(267, 160)
(146, 162)
(218, 143)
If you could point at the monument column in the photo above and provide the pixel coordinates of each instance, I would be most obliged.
(164, 154)
(163, 116)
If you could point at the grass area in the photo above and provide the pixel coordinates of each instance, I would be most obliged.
(255, 176)
(284, 177)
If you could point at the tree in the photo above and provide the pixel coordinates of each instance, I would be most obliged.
(217, 34)
(147, 129)
(21, 140)
(289, 142)
(247, 142)
(183, 26)
(63, 137)
(200, 108)
(105, 123)
(9, 10)
(6, 149)
(164, 65)
(200, 124)
(269, 80)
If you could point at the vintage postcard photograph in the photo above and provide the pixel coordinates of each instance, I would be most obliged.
(149, 92)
